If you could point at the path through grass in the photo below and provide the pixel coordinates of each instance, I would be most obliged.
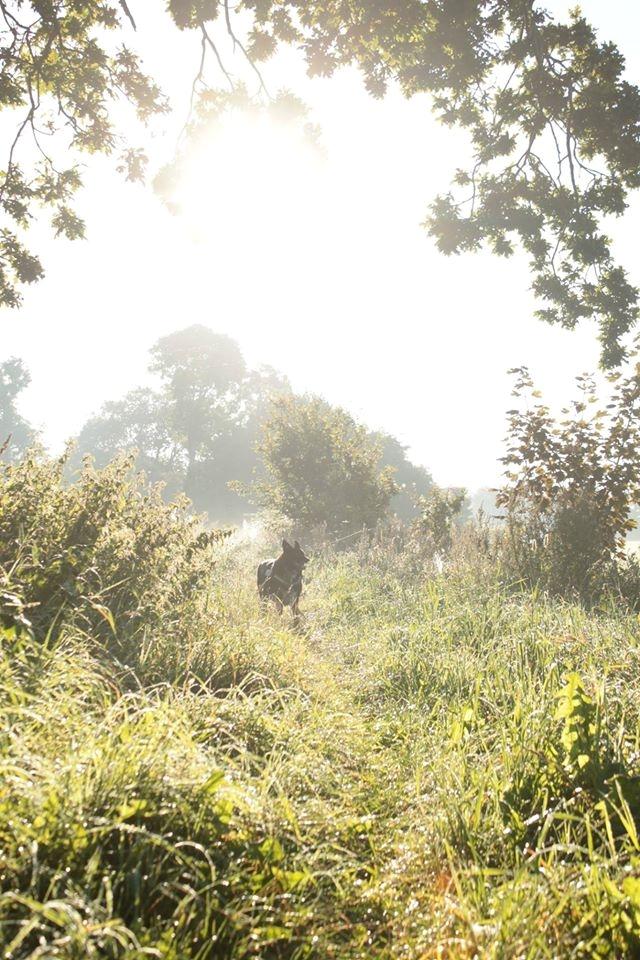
(430, 767)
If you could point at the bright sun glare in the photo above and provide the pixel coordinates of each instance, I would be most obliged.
(254, 184)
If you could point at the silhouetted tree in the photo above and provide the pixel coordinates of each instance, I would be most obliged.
(198, 431)
(231, 460)
(140, 422)
(14, 378)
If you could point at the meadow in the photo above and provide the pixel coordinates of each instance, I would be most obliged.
(432, 764)
(441, 757)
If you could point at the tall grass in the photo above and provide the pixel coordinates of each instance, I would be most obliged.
(431, 766)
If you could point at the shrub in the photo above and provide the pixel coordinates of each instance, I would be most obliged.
(105, 554)
(439, 513)
(322, 468)
(571, 485)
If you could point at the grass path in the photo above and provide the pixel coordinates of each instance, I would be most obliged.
(427, 768)
(457, 723)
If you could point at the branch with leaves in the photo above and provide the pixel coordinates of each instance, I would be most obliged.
(60, 80)
(553, 125)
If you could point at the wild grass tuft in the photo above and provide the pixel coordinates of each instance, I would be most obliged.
(431, 765)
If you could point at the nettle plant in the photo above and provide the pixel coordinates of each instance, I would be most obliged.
(105, 555)
(571, 484)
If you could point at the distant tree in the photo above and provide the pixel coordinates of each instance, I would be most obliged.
(259, 388)
(231, 461)
(202, 374)
(137, 422)
(198, 432)
(321, 467)
(14, 378)
(412, 481)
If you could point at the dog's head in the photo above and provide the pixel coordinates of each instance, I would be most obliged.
(294, 555)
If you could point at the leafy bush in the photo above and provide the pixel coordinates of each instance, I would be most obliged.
(322, 468)
(439, 513)
(104, 554)
(571, 485)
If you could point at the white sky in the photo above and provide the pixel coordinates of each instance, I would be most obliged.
(318, 267)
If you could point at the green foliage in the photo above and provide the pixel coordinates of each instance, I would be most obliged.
(105, 554)
(552, 122)
(579, 738)
(439, 512)
(15, 433)
(322, 469)
(189, 13)
(62, 80)
(430, 766)
(571, 486)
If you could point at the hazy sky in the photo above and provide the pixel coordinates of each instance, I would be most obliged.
(317, 266)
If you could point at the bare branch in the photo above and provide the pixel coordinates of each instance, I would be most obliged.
(238, 43)
(128, 14)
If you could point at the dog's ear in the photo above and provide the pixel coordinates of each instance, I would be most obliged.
(301, 553)
(286, 545)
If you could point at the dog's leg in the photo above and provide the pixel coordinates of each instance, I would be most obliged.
(295, 610)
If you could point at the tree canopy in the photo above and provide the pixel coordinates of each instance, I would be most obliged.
(322, 469)
(202, 373)
(554, 126)
(200, 431)
(136, 422)
(197, 430)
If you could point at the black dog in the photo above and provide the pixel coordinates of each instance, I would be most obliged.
(280, 580)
